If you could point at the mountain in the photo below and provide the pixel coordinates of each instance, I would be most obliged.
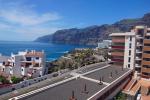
(93, 34)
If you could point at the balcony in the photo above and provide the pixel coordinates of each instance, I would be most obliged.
(145, 76)
(138, 51)
(138, 58)
(146, 48)
(117, 53)
(109, 53)
(146, 41)
(137, 65)
(118, 47)
(147, 70)
(139, 44)
(148, 34)
(139, 37)
(146, 55)
(146, 62)
(116, 40)
(117, 60)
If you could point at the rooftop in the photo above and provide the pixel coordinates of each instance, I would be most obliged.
(82, 85)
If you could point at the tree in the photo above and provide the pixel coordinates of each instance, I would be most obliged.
(3, 80)
(16, 80)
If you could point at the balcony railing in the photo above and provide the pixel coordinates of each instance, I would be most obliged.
(139, 37)
(146, 48)
(116, 40)
(118, 47)
(146, 41)
(146, 55)
(137, 65)
(146, 62)
(145, 76)
(138, 58)
(117, 53)
(117, 60)
(147, 70)
(139, 44)
(138, 51)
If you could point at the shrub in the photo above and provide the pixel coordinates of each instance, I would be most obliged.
(16, 80)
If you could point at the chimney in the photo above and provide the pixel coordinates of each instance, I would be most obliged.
(85, 90)
(100, 81)
(72, 97)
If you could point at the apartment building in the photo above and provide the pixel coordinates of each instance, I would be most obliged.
(132, 50)
(24, 64)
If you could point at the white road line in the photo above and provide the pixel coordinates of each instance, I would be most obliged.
(95, 70)
(55, 84)
(93, 80)
(41, 89)
(90, 98)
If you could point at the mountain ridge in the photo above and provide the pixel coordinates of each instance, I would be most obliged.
(93, 34)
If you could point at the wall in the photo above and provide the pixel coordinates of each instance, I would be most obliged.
(126, 53)
(28, 82)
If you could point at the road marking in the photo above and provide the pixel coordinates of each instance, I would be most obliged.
(93, 80)
(95, 70)
(90, 98)
(76, 75)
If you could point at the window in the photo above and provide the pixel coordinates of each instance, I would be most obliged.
(130, 45)
(129, 59)
(37, 58)
(3, 69)
(28, 58)
(129, 52)
(128, 65)
(130, 38)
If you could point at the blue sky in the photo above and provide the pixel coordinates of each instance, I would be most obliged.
(25, 20)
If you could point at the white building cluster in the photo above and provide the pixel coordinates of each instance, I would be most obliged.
(24, 64)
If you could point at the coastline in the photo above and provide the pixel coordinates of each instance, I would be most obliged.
(53, 51)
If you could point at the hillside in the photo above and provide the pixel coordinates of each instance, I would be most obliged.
(93, 34)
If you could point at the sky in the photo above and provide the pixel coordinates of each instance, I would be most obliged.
(25, 20)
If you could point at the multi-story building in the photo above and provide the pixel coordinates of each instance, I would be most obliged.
(132, 50)
(25, 64)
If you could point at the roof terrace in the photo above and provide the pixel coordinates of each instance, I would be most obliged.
(83, 85)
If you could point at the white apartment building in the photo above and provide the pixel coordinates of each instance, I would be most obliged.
(132, 50)
(128, 48)
(25, 64)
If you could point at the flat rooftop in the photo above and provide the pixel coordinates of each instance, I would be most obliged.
(64, 91)
(108, 74)
(84, 83)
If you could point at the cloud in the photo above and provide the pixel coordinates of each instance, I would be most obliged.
(26, 17)
(18, 18)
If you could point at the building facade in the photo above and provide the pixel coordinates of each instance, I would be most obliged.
(132, 50)
(25, 64)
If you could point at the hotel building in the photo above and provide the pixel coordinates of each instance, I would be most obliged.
(24, 64)
(132, 50)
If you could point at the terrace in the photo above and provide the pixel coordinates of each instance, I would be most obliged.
(84, 84)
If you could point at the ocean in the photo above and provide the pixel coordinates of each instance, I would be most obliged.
(53, 51)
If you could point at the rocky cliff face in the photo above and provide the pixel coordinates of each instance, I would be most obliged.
(93, 34)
